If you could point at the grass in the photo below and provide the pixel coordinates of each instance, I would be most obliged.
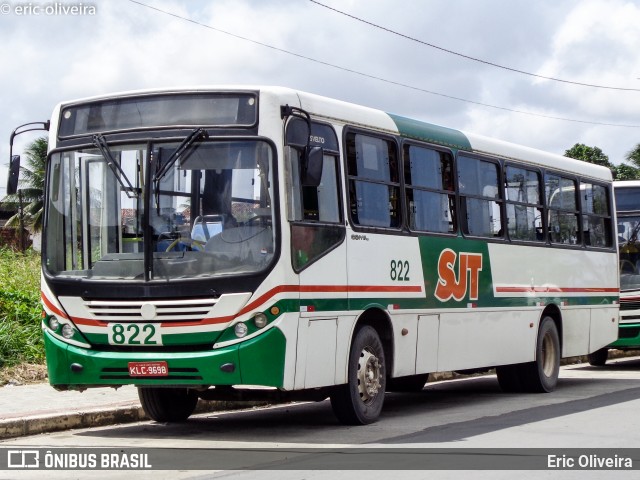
(20, 311)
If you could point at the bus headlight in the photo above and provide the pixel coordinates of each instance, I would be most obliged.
(54, 324)
(241, 330)
(67, 331)
(260, 320)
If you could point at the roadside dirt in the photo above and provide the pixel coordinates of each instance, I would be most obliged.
(23, 374)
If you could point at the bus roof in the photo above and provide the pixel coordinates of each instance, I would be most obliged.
(349, 113)
(366, 117)
(626, 183)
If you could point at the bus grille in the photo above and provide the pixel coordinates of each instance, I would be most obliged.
(141, 310)
(633, 305)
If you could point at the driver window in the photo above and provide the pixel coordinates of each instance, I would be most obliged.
(314, 212)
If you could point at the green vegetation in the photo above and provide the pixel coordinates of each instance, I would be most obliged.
(623, 171)
(20, 309)
(32, 178)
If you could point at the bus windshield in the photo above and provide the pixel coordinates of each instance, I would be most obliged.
(159, 214)
(627, 198)
(629, 240)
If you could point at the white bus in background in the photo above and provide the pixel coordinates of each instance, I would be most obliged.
(200, 240)
(627, 201)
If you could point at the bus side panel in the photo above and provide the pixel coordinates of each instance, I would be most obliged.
(485, 338)
(288, 325)
(587, 330)
(576, 328)
(321, 336)
(320, 351)
(405, 336)
(427, 344)
(604, 327)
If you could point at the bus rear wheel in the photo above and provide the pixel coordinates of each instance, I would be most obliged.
(541, 375)
(360, 400)
(167, 404)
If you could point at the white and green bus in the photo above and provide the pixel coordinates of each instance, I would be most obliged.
(202, 243)
(627, 204)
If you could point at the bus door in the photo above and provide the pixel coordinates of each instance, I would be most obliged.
(318, 256)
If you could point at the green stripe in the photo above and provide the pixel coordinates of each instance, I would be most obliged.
(428, 132)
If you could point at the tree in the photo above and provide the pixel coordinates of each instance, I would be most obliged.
(580, 151)
(633, 156)
(623, 171)
(626, 172)
(31, 186)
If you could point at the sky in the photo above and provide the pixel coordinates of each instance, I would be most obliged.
(473, 65)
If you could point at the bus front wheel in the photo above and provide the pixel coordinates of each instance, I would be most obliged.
(167, 404)
(360, 400)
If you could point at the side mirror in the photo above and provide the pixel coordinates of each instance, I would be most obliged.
(312, 162)
(14, 173)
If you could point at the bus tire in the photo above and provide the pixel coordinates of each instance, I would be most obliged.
(412, 383)
(541, 375)
(509, 378)
(167, 404)
(360, 400)
(599, 357)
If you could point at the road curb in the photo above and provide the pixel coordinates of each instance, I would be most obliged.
(34, 425)
(100, 417)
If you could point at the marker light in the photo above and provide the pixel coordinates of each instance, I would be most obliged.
(241, 330)
(67, 331)
(260, 320)
(54, 324)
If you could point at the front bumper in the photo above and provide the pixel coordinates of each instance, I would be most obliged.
(258, 361)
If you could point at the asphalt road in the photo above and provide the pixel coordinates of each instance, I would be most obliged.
(470, 423)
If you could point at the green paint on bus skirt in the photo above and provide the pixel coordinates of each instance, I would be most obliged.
(257, 361)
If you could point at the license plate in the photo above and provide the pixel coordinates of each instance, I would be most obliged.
(148, 369)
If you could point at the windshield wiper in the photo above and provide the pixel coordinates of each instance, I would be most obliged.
(181, 151)
(100, 142)
(197, 135)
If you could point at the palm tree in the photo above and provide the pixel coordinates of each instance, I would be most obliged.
(634, 156)
(32, 186)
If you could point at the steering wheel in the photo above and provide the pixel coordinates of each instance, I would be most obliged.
(624, 262)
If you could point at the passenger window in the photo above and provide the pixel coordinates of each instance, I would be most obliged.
(480, 200)
(523, 204)
(373, 181)
(429, 189)
(596, 216)
(560, 193)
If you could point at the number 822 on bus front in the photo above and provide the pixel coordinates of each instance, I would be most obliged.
(141, 334)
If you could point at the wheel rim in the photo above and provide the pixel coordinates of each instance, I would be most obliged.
(549, 355)
(369, 374)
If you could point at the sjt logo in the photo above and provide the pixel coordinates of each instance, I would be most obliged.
(452, 284)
